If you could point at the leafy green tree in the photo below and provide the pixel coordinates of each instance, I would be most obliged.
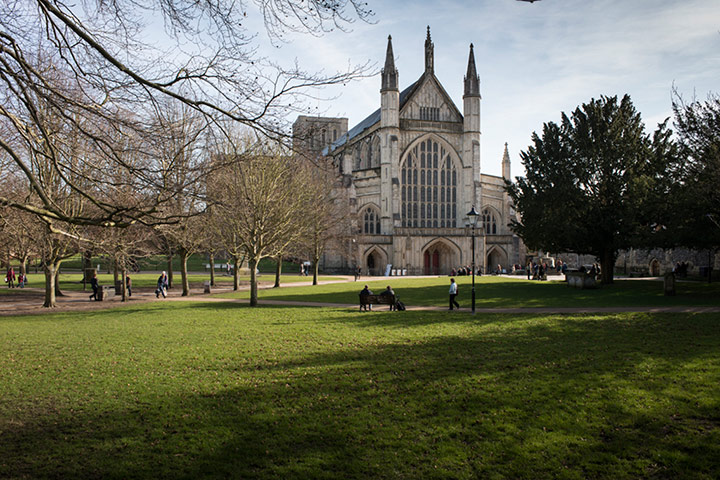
(594, 182)
(696, 198)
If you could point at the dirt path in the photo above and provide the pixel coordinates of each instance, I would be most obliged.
(30, 300)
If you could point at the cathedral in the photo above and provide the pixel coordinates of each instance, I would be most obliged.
(411, 171)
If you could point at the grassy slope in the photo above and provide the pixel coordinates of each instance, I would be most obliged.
(503, 292)
(196, 390)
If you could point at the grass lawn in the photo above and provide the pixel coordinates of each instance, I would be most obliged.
(188, 390)
(503, 292)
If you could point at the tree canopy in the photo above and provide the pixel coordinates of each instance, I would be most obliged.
(696, 197)
(593, 182)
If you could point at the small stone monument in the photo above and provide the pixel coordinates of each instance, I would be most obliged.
(669, 284)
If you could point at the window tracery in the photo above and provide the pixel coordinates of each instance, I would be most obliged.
(489, 222)
(428, 187)
(371, 221)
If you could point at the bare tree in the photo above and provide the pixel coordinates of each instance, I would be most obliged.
(259, 200)
(16, 235)
(182, 156)
(46, 143)
(330, 209)
(107, 70)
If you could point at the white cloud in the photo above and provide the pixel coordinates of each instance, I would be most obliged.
(534, 60)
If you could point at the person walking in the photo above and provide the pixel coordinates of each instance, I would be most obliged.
(95, 287)
(10, 277)
(162, 285)
(128, 285)
(453, 294)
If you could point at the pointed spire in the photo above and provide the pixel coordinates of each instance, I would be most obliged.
(389, 73)
(506, 163)
(429, 53)
(472, 81)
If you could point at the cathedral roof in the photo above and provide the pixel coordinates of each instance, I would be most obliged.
(370, 120)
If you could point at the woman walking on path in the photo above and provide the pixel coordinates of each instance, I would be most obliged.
(10, 277)
(94, 285)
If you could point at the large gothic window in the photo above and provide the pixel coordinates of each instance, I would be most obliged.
(371, 222)
(428, 187)
(489, 221)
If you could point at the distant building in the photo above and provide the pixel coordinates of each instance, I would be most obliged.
(412, 171)
(311, 135)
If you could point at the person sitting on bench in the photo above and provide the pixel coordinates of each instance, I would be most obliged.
(364, 293)
(388, 292)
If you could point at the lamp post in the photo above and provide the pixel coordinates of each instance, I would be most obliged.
(473, 218)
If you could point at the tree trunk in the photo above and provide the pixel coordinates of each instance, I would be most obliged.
(184, 273)
(116, 271)
(710, 265)
(50, 272)
(212, 269)
(316, 258)
(252, 263)
(86, 263)
(123, 274)
(170, 269)
(607, 264)
(58, 293)
(278, 271)
(23, 264)
(236, 276)
(316, 266)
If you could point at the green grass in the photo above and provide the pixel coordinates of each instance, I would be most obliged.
(188, 390)
(502, 292)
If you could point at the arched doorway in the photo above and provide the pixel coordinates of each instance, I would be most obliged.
(375, 261)
(439, 258)
(496, 256)
(655, 268)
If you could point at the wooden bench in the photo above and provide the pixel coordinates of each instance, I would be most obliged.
(378, 300)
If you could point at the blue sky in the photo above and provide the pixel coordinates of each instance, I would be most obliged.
(534, 60)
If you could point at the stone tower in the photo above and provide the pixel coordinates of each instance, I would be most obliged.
(389, 133)
(471, 126)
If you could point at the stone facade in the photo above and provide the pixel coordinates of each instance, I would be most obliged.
(649, 263)
(412, 172)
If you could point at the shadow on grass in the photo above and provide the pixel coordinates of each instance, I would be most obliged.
(621, 396)
(498, 293)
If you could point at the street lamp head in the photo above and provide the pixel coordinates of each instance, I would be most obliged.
(472, 216)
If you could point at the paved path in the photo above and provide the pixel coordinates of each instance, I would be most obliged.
(78, 301)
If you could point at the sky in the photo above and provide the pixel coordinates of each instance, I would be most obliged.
(535, 60)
